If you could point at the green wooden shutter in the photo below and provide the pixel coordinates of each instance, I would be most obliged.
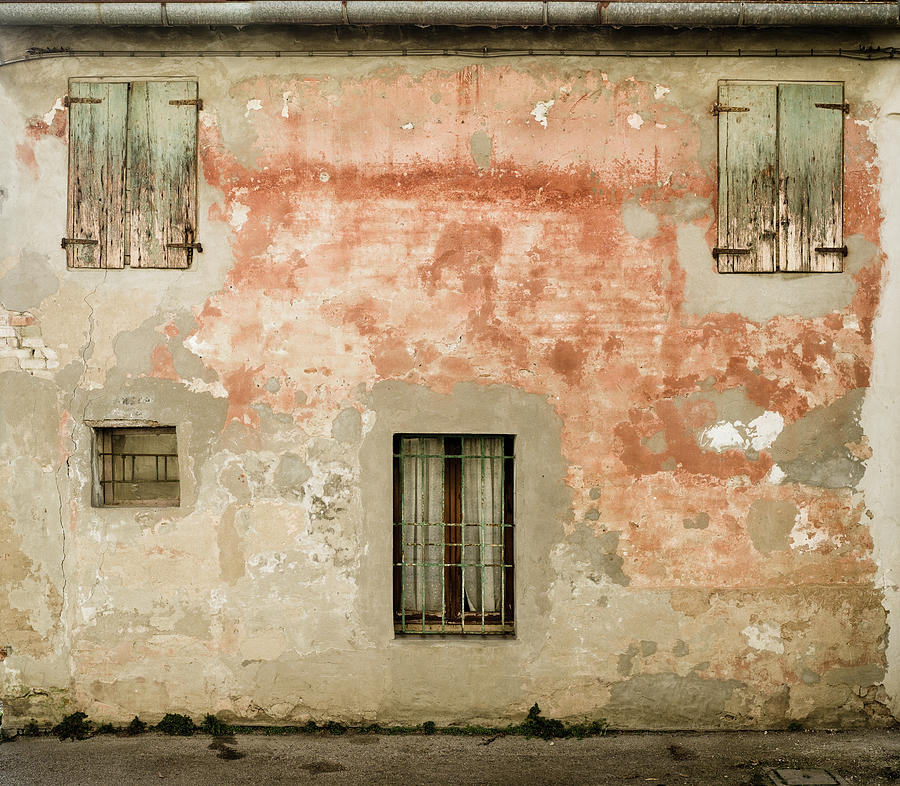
(96, 225)
(747, 177)
(162, 173)
(810, 162)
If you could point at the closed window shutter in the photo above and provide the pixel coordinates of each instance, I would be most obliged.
(748, 151)
(97, 121)
(162, 176)
(810, 159)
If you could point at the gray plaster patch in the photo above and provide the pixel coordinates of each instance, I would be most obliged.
(26, 284)
(680, 649)
(648, 648)
(866, 675)
(769, 523)
(813, 450)
(30, 411)
(605, 557)
(595, 492)
(347, 426)
(656, 443)
(668, 700)
(761, 296)
(686, 209)
(731, 404)
(291, 473)
(639, 222)
(809, 677)
(592, 515)
(700, 522)
(626, 660)
(543, 498)
(273, 385)
(481, 147)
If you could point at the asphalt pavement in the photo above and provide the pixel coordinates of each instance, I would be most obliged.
(860, 758)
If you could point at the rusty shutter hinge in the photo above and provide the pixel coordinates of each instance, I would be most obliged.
(197, 102)
(717, 251)
(77, 241)
(198, 247)
(845, 108)
(842, 250)
(719, 108)
(69, 100)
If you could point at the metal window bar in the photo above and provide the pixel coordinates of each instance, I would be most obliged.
(416, 559)
(121, 478)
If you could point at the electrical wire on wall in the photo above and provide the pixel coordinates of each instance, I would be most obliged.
(861, 53)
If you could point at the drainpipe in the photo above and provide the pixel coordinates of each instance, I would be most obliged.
(463, 13)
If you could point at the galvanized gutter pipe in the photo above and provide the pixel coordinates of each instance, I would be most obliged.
(463, 13)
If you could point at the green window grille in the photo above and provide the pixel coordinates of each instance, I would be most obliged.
(136, 467)
(453, 534)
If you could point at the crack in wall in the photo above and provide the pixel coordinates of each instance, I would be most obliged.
(83, 354)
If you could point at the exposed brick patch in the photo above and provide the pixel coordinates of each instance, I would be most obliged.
(21, 345)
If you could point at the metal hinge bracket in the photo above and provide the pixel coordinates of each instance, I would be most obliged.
(197, 102)
(77, 241)
(717, 108)
(842, 250)
(845, 108)
(198, 247)
(717, 251)
(69, 100)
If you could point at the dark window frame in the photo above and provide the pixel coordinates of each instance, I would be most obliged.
(108, 478)
(452, 619)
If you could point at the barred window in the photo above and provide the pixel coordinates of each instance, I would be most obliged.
(453, 534)
(136, 467)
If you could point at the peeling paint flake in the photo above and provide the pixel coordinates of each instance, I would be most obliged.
(757, 435)
(540, 110)
(635, 120)
(253, 105)
(57, 107)
(238, 215)
(765, 637)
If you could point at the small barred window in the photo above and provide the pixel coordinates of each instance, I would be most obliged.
(136, 467)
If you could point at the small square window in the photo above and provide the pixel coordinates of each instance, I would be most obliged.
(453, 534)
(136, 467)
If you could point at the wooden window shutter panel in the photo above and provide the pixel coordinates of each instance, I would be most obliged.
(96, 223)
(810, 161)
(162, 150)
(747, 178)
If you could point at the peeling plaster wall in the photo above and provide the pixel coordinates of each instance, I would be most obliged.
(705, 488)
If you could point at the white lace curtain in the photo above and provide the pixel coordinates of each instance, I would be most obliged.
(480, 496)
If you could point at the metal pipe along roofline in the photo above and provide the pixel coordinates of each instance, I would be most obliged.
(462, 13)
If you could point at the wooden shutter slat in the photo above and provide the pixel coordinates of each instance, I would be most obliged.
(810, 159)
(747, 178)
(162, 150)
(96, 194)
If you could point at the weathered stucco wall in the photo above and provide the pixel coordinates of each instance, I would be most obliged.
(705, 489)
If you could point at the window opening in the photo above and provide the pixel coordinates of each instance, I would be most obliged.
(137, 467)
(453, 534)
